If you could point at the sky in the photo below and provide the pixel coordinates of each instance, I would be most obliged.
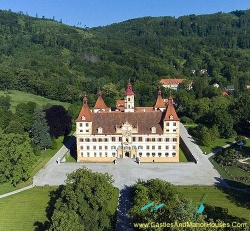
(93, 13)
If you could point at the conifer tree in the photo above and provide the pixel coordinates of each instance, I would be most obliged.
(40, 130)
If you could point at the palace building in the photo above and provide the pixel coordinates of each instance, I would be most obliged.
(148, 134)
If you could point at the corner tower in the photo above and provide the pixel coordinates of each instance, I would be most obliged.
(129, 99)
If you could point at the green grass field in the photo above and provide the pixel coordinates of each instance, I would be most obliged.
(27, 210)
(24, 97)
(237, 203)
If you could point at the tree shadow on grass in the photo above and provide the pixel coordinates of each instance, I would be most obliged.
(54, 195)
(70, 143)
(240, 197)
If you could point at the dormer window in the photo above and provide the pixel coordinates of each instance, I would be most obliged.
(153, 129)
(100, 130)
(83, 118)
(171, 117)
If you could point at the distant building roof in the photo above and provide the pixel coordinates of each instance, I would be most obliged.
(171, 81)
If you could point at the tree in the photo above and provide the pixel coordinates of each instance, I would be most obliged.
(224, 121)
(59, 121)
(84, 202)
(40, 130)
(16, 158)
(176, 207)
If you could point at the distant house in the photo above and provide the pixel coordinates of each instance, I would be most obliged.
(174, 84)
(216, 85)
(248, 86)
(224, 93)
(230, 88)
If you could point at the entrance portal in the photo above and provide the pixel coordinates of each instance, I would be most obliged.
(127, 154)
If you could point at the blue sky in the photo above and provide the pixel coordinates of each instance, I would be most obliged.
(103, 12)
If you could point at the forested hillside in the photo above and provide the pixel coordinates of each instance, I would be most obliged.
(51, 59)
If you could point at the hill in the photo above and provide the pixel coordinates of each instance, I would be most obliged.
(50, 59)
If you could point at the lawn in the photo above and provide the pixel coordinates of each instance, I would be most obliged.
(237, 203)
(25, 210)
(24, 97)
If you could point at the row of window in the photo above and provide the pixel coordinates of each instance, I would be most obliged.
(134, 139)
(87, 124)
(159, 154)
(174, 124)
(148, 147)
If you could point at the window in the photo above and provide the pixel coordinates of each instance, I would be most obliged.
(99, 130)
(166, 154)
(87, 124)
(105, 139)
(167, 124)
(87, 140)
(87, 130)
(147, 147)
(87, 147)
(100, 139)
(94, 147)
(81, 147)
(159, 154)
(153, 139)
(153, 129)
(113, 154)
(94, 154)
(83, 118)
(113, 147)
(175, 139)
(81, 140)
(80, 124)
(167, 130)
(167, 139)
(113, 139)
(81, 130)
(159, 147)
(147, 154)
(140, 154)
(167, 147)
(159, 139)
(134, 139)
(174, 147)
(174, 123)
(81, 154)
(106, 154)
(100, 147)
(171, 117)
(120, 139)
(148, 139)
(94, 139)
(140, 138)
(128, 99)
(153, 154)
(174, 130)
(140, 147)
(106, 147)
(153, 147)
(100, 154)
(173, 154)
(87, 154)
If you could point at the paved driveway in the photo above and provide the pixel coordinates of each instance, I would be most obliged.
(126, 171)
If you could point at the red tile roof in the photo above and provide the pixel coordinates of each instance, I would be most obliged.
(129, 90)
(85, 113)
(171, 81)
(100, 102)
(170, 112)
(159, 102)
(144, 121)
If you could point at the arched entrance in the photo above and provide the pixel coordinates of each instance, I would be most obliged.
(127, 154)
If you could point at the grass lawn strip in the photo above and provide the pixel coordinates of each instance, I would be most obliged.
(218, 197)
(24, 97)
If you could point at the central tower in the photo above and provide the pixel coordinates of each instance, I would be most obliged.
(129, 100)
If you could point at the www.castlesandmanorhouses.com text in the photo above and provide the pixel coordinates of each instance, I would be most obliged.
(190, 225)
